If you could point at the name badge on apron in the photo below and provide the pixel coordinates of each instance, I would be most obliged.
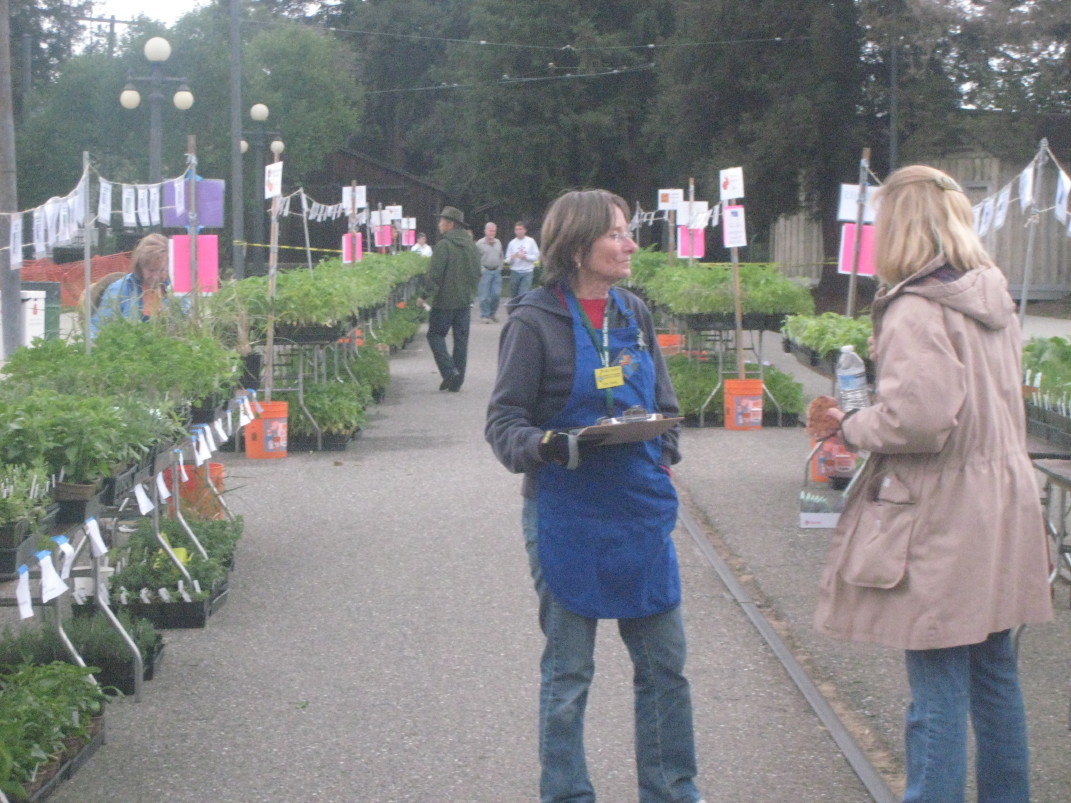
(611, 377)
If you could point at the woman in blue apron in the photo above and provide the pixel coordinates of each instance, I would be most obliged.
(597, 521)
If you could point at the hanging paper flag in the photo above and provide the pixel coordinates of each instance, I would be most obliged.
(52, 207)
(143, 205)
(78, 201)
(130, 206)
(734, 229)
(22, 593)
(352, 247)
(63, 223)
(1063, 188)
(847, 250)
(210, 199)
(693, 214)
(104, 203)
(273, 180)
(1000, 212)
(154, 204)
(1026, 187)
(16, 240)
(40, 247)
(354, 198)
(51, 584)
(987, 217)
(207, 263)
(691, 242)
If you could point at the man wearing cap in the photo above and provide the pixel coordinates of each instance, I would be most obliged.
(453, 274)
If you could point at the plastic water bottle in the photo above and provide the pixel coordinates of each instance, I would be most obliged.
(853, 392)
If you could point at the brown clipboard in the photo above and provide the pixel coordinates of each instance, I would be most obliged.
(609, 433)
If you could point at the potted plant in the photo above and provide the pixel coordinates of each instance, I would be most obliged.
(815, 340)
(337, 407)
(23, 510)
(693, 381)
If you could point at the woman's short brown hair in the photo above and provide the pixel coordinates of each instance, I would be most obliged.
(923, 213)
(149, 248)
(570, 228)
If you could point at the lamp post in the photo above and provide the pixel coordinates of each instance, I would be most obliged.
(157, 51)
(259, 112)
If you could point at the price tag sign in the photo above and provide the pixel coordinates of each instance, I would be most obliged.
(161, 487)
(22, 593)
(733, 228)
(145, 504)
(731, 184)
(670, 199)
(96, 542)
(51, 584)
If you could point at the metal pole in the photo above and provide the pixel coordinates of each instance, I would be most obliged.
(688, 223)
(739, 311)
(191, 225)
(258, 217)
(864, 170)
(1033, 221)
(237, 193)
(87, 254)
(156, 96)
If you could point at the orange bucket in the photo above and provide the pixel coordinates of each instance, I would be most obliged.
(743, 404)
(265, 436)
(194, 493)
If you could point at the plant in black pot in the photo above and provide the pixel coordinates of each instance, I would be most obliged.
(24, 498)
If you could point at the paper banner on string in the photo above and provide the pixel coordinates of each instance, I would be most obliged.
(693, 214)
(22, 593)
(1000, 209)
(104, 203)
(73, 214)
(207, 263)
(691, 242)
(78, 201)
(352, 247)
(52, 219)
(51, 585)
(1026, 187)
(848, 207)
(847, 250)
(985, 222)
(669, 200)
(273, 180)
(130, 205)
(40, 243)
(1063, 190)
(143, 205)
(63, 222)
(354, 198)
(16, 240)
(733, 227)
(731, 183)
(211, 194)
(154, 204)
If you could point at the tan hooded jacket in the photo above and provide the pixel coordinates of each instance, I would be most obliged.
(941, 542)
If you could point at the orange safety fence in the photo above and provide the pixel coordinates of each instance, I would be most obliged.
(71, 275)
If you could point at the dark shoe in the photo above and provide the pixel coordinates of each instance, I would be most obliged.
(494, 318)
(445, 384)
(455, 383)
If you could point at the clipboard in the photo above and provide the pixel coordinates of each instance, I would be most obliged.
(625, 431)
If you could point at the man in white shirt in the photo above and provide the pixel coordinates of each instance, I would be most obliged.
(521, 255)
(422, 246)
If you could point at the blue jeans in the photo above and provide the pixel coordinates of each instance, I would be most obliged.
(522, 282)
(665, 747)
(947, 683)
(440, 322)
(490, 291)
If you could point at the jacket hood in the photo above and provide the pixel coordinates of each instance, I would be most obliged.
(981, 294)
(457, 236)
(543, 297)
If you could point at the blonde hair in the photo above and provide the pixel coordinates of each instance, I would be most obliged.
(570, 228)
(151, 247)
(923, 213)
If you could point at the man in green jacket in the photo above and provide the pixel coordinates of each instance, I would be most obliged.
(451, 281)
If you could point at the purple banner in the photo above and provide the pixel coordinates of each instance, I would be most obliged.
(176, 203)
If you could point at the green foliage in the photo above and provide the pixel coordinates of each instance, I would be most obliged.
(693, 380)
(41, 709)
(826, 333)
(23, 492)
(1051, 358)
(371, 368)
(337, 406)
(93, 637)
(401, 326)
(708, 288)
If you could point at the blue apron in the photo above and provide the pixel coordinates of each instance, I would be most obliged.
(604, 528)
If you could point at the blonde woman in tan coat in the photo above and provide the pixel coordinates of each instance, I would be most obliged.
(940, 550)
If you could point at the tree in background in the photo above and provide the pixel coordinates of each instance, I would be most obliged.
(44, 34)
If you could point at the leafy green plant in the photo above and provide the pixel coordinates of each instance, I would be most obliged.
(93, 637)
(23, 493)
(336, 406)
(693, 380)
(708, 288)
(370, 367)
(826, 333)
(1047, 365)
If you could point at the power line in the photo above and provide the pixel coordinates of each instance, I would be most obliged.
(506, 80)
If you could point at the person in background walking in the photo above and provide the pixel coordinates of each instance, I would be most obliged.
(941, 548)
(490, 250)
(521, 254)
(597, 522)
(422, 246)
(453, 274)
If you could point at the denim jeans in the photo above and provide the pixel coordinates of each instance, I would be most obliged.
(490, 291)
(946, 684)
(522, 282)
(440, 322)
(664, 748)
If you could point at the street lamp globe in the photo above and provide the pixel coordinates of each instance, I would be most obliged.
(157, 49)
(259, 112)
(277, 146)
(183, 99)
(243, 146)
(130, 98)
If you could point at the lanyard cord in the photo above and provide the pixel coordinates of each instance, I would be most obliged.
(604, 348)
